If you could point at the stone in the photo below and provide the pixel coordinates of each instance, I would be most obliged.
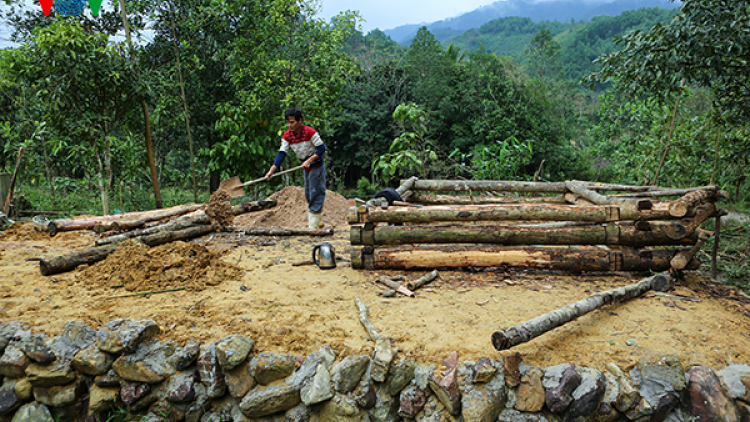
(35, 347)
(483, 401)
(340, 409)
(124, 335)
(403, 373)
(308, 367)
(411, 401)
(382, 358)
(511, 364)
(8, 330)
(180, 386)
(23, 389)
(422, 375)
(239, 381)
(483, 371)
(707, 399)
(46, 376)
(264, 401)
(9, 401)
(434, 411)
(233, 350)
(559, 383)
(130, 393)
(660, 379)
(347, 373)
(100, 398)
(33, 412)
(149, 363)
(14, 361)
(75, 337)
(110, 379)
(446, 386)
(512, 415)
(530, 395)
(386, 406)
(267, 367)
(642, 410)
(736, 380)
(364, 393)
(744, 411)
(587, 395)
(186, 355)
(299, 413)
(92, 361)
(319, 389)
(607, 410)
(58, 395)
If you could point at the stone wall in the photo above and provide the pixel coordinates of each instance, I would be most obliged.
(88, 375)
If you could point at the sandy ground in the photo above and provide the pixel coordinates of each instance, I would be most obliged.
(253, 289)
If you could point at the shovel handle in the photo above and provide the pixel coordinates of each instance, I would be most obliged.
(263, 179)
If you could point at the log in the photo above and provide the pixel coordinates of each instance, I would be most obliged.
(253, 206)
(529, 330)
(364, 319)
(85, 223)
(182, 222)
(702, 213)
(682, 258)
(421, 281)
(406, 185)
(280, 231)
(488, 185)
(97, 253)
(564, 258)
(574, 199)
(580, 189)
(680, 207)
(435, 199)
(121, 225)
(392, 284)
(621, 233)
(59, 264)
(9, 196)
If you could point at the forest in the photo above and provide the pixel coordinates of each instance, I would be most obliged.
(196, 92)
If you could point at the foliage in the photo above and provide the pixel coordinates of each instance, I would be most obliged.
(707, 45)
(733, 263)
(501, 160)
(412, 150)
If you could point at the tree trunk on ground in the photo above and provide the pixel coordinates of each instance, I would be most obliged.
(84, 223)
(625, 233)
(280, 231)
(565, 258)
(487, 185)
(529, 330)
(433, 199)
(177, 224)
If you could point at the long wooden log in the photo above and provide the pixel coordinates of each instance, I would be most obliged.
(529, 330)
(582, 190)
(682, 258)
(105, 226)
(253, 206)
(623, 233)
(574, 199)
(406, 186)
(488, 185)
(702, 213)
(97, 253)
(182, 222)
(85, 223)
(680, 207)
(435, 199)
(565, 258)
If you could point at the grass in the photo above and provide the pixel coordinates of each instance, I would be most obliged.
(733, 258)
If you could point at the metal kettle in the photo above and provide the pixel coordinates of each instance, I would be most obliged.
(327, 256)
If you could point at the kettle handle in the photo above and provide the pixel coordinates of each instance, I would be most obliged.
(313, 255)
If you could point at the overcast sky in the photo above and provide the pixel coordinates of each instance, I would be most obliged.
(388, 14)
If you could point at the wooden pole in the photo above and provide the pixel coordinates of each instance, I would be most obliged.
(488, 185)
(364, 319)
(86, 223)
(421, 281)
(434, 199)
(529, 330)
(717, 237)
(680, 207)
(9, 196)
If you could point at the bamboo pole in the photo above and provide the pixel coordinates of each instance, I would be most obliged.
(529, 330)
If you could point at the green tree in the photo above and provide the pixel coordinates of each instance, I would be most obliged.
(543, 54)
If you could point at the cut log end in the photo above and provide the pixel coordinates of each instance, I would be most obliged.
(501, 341)
(678, 209)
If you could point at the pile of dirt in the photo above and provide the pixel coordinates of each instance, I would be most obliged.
(291, 211)
(138, 268)
(24, 230)
(219, 209)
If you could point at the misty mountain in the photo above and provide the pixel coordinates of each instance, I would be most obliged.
(552, 10)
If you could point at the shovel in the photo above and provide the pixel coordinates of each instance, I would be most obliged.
(234, 188)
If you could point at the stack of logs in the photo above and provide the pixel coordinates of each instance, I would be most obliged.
(569, 226)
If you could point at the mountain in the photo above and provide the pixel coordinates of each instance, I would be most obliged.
(536, 10)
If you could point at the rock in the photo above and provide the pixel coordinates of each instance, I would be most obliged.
(382, 358)
(180, 386)
(308, 367)
(232, 350)
(511, 415)
(92, 361)
(530, 395)
(75, 337)
(347, 373)
(744, 411)
(422, 375)
(58, 395)
(124, 335)
(130, 393)
(386, 406)
(641, 410)
(446, 387)
(434, 411)
(403, 373)
(267, 367)
(587, 395)
(239, 381)
(149, 363)
(319, 389)
(659, 379)
(263, 401)
(482, 401)
(512, 371)
(299, 413)
(14, 361)
(46, 376)
(483, 371)
(708, 401)
(110, 379)
(8, 330)
(627, 396)
(186, 355)
(23, 389)
(211, 374)
(364, 393)
(411, 401)
(607, 410)
(736, 380)
(559, 383)
(9, 401)
(33, 412)
(100, 398)
(340, 409)
(35, 347)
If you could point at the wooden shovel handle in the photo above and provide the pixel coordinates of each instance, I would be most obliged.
(263, 179)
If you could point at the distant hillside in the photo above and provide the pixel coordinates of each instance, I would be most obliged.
(549, 10)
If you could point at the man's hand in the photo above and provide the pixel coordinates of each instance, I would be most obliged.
(306, 163)
(270, 172)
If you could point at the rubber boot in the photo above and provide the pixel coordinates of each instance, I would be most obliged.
(314, 220)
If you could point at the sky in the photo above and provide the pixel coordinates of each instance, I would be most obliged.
(388, 14)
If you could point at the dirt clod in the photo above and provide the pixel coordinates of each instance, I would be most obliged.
(219, 209)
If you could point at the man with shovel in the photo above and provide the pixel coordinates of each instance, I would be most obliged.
(306, 143)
